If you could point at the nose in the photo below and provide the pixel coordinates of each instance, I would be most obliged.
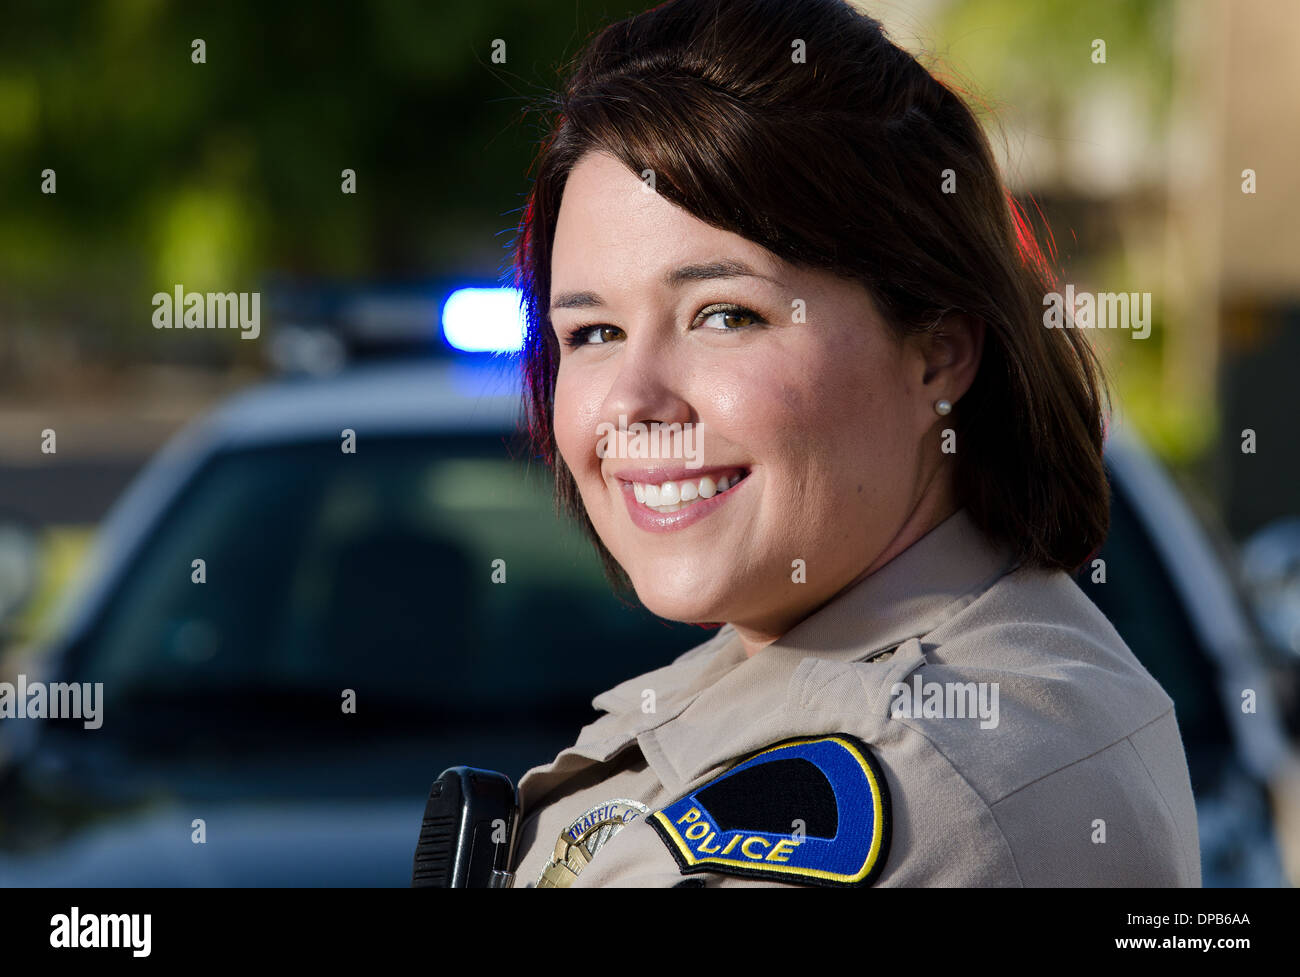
(648, 387)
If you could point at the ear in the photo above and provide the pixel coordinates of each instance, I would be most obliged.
(951, 352)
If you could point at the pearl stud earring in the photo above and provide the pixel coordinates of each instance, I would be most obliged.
(942, 407)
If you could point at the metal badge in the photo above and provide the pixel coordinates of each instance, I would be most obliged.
(579, 842)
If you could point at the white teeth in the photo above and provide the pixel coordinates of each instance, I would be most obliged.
(671, 496)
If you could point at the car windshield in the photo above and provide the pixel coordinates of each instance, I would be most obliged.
(430, 576)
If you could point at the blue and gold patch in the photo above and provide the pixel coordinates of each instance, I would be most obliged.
(811, 810)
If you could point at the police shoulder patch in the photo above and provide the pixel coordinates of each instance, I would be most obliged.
(811, 810)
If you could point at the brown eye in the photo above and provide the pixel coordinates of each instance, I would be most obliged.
(731, 319)
(584, 336)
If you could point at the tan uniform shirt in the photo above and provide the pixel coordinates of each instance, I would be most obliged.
(1081, 782)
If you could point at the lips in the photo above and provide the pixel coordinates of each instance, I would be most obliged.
(688, 500)
(670, 496)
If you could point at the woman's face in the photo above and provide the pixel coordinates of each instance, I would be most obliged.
(787, 374)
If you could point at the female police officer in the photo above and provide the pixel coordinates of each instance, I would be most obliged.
(760, 221)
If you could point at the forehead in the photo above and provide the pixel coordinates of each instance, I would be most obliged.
(612, 227)
(600, 180)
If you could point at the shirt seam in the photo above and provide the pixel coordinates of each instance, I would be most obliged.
(1067, 766)
(1178, 826)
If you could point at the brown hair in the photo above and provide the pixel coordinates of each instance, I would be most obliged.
(836, 162)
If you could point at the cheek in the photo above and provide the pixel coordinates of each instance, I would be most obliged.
(850, 429)
(577, 405)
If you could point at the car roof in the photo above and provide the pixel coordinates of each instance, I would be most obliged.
(474, 394)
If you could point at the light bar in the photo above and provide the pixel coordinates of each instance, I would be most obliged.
(484, 320)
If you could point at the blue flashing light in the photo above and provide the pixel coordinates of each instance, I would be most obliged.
(484, 320)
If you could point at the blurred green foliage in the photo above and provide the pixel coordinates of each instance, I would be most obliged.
(1037, 52)
(210, 174)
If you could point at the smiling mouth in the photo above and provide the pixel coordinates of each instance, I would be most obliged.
(671, 496)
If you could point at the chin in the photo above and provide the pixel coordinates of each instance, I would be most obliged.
(687, 606)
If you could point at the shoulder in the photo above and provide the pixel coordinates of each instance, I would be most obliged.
(1058, 682)
(1038, 721)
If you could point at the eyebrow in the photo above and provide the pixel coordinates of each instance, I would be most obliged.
(706, 271)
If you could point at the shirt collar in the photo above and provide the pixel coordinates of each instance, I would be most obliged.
(911, 595)
(738, 704)
(743, 703)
